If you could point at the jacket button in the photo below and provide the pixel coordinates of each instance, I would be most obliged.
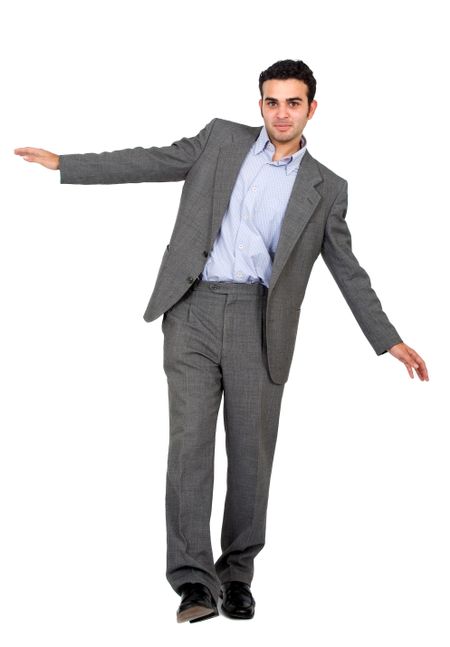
(205, 253)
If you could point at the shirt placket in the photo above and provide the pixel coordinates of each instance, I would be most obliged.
(242, 264)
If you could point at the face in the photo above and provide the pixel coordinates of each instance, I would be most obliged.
(284, 108)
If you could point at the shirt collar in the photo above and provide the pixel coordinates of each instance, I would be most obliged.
(291, 162)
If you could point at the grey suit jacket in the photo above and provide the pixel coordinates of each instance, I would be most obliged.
(314, 223)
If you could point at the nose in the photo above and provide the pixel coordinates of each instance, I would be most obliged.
(282, 111)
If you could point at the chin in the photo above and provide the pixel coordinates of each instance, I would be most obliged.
(282, 137)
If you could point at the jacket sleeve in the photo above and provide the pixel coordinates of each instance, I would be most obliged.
(353, 280)
(154, 164)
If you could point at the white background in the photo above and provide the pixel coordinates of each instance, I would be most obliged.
(358, 524)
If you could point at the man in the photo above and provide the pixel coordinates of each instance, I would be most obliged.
(255, 212)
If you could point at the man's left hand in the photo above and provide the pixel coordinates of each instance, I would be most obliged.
(410, 359)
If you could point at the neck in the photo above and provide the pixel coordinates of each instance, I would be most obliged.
(284, 149)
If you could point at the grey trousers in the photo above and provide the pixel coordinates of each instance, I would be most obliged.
(214, 344)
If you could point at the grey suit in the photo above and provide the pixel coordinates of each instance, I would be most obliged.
(233, 338)
(314, 224)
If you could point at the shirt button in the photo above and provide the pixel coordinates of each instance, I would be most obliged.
(241, 246)
(239, 274)
(253, 188)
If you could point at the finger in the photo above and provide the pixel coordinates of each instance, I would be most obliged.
(409, 369)
(413, 358)
(416, 356)
(423, 372)
(414, 362)
(29, 154)
(422, 369)
(25, 150)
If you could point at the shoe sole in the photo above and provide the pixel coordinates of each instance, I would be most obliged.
(194, 614)
(236, 616)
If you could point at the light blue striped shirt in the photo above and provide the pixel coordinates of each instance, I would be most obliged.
(245, 245)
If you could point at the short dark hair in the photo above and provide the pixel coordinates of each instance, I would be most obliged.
(289, 69)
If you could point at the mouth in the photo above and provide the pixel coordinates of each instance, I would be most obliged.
(282, 126)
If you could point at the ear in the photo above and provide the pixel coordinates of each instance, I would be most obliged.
(312, 108)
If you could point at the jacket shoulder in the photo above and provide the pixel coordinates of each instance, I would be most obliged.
(329, 175)
(227, 127)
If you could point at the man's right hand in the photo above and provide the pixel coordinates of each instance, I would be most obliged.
(47, 159)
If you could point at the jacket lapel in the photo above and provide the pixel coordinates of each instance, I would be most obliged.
(303, 200)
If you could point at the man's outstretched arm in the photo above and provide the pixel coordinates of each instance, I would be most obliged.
(355, 285)
(154, 164)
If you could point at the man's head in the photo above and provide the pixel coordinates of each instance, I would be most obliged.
(287, 100)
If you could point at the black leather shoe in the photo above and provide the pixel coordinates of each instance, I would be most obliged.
(197, 603)
(237, 600)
